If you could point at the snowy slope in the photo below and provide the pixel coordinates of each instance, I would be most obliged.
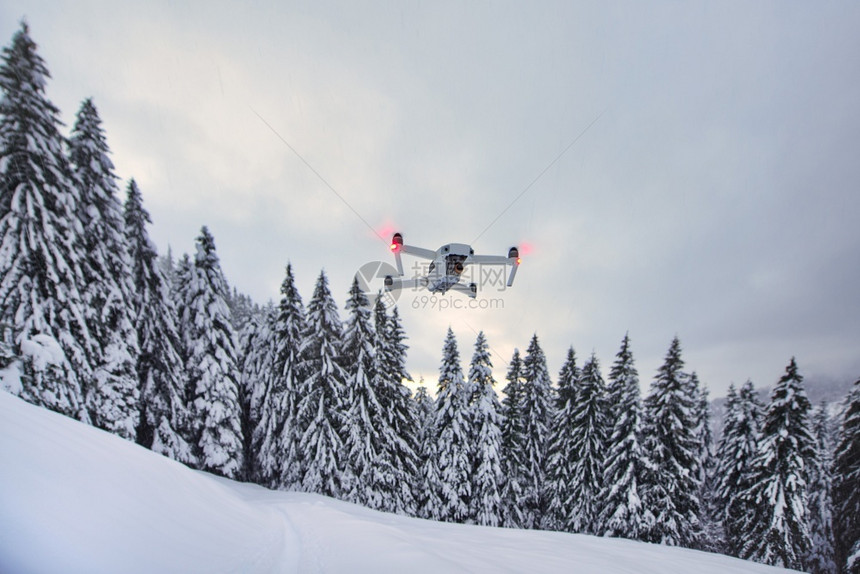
(76, 499)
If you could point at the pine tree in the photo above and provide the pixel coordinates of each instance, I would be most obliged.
(735, 453)
(401, 442)
(588, 445)
(280, 452)
(181, 291)
(624, 468)
(260, 405)
(713, 538)
(704, 435)
(537, 413)
(453, 443)
(485, 413)
(846, 494)
(40, 236)
(243, 310)
(672, 486)
(167, 264)
(513, 442)
(777, 529)
(322, 392)
(181, 277)
(7, 353)
(113, 394)
(428, 483)
(560, 461)
(160, 371)
(212, 364)
(368, 470)
(821, 557)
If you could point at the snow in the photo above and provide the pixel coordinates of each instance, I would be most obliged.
(44, 350)
(77, 499)
(854, 559)
(10, 378)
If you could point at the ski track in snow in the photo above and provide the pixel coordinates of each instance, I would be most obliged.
(76, 499)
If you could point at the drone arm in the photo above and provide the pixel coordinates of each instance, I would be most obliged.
(398, 261)
(513, 259)
(397, 247)
(392, 283)
(418, 251)
(515, 265)
(489, 260)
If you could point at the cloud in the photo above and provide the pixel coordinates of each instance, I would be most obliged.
(715, 198)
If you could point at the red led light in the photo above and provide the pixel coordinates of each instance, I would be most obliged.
(394, 247)
(519, 260)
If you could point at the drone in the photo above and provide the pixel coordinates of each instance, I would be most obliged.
(446, 267)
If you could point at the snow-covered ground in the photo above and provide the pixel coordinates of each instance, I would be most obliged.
(76, 499)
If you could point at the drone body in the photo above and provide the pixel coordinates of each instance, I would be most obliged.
(447, 265)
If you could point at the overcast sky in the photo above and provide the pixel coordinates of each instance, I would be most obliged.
(713, 192)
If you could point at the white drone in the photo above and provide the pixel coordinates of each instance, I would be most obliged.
(446, 267)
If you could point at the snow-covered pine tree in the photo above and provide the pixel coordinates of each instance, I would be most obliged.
(453, 443)
(704, 436)
(537, 413)
(713, 538)
(513, 442)
(846, 494)
(322, 392)
(181, 278)
(399, 410)
(777, 528)
(181, 295)
(485, 414)
(588, 445)
(624, 466)
(671, 490)
(735, 452)
(280, 453)
(112, 393)
(181, 290)
(242, 309)
(428, 484)
(821, 556)
(256, 392)
(7, 352)
(368, 474)
(167, 264)
(212, 364)
(160, 370)
(40, 235)
(560, 462)
(246, 342)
